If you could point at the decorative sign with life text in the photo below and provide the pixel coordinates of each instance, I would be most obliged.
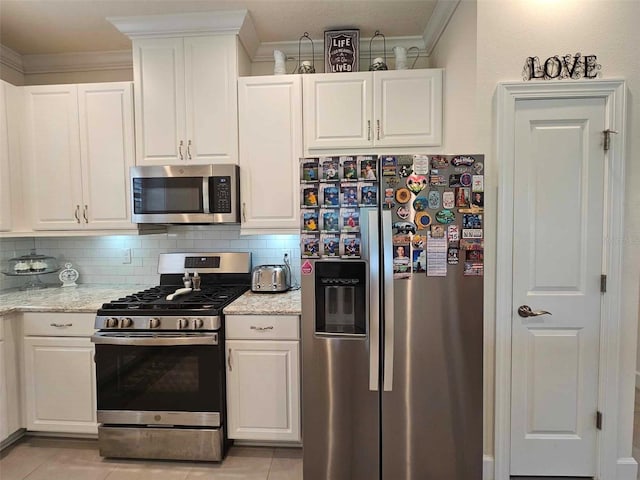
(561, 67)
(341, 51)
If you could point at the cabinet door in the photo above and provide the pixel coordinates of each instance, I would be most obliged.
(270, 119)
(54, 181)
(106, 140)
(158, 72)
(337, 110)
(10, 405)
(263, 390)
(408, 108)
(59, 376)
(5, 172)
(4, 413)
(211, 101)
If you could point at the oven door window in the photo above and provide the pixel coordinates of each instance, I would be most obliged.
(168, 195)
(162, 378)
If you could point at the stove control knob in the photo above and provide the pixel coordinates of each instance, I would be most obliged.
(198, 323)
(111, 322)
(183, 323)
(154, 322)
(126, 322)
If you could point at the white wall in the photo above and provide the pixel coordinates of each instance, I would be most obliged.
(508, 31)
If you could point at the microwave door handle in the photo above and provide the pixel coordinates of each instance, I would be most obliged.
(205, 194)
(387, 263)
(374, 299)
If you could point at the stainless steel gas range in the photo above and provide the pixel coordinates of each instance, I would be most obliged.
(160, 360)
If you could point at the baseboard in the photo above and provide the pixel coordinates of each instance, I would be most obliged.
(488, 472)
(637, 379)
(627, 469)
(13, 438)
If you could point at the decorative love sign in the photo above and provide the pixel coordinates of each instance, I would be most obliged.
(561, 67)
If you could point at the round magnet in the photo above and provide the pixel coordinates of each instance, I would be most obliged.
(420, 204)
(478, 168)
(403, 195)
(465, 179)
(419, 241)
(403, 212)
(422, 220)
(445, 216)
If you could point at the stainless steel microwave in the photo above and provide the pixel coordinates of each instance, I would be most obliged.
(185, 194)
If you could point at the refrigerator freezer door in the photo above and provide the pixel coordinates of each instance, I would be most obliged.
(432, 417)
(341, 439)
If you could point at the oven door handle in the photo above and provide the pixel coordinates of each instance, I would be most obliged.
(161, 340)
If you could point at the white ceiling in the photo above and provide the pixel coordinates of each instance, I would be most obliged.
(31, 27)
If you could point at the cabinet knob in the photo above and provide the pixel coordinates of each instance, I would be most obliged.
(85, 213)
(189, 149)
(180, 150)
(77, 213)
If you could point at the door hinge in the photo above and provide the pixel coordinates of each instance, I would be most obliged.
(603, 283)
(607, 139)
(599, 420)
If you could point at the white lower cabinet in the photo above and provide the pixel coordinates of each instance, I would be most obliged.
(263, 378)
(10, 418)
(59, 373)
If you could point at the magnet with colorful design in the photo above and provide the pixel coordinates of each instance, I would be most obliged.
(420, 204)
(422, 220)
(434, 199)
(445, 216)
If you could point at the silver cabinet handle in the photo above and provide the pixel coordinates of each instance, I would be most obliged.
(189, 149)
(261, 329)
(368, 129)
(180, 150)
(229, 361)
(84, 214)
(525, 311)
(77, 214)
(244, 212)
(61, 325)
(378, 128)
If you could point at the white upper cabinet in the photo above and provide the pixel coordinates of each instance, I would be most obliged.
(79, 149)
(270, 119)
(398, 108)
(186, 101)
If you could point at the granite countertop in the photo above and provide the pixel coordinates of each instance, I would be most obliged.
(83, 298)
(287, 303)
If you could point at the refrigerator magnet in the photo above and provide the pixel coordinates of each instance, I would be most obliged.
(437, 181)
(416, 183)
(330, 220)
(388, 203)
(348, 168)
(419, 261)
(403, 195)
(465, 179)
(459, 160)
(454, 180)
(438, 161)
(329, 169)
(445, 216)
(477, 183)
(434, 199)
(350, 220)
(419, 241)
(471, 233)
(329, 195)
(389, 165)
(477, 199)
(330, 245)
(404, 227)
(453, 233)
(477, 168)
(368, 195)
(420, 204)
(471, 244)
(422, 220)
(350, 245)
(463, 197)
(471, 220)
(421, 165)
(367, 168)
(309, 195)
(448, 200)
(453, 256)
(310, 220)
(403, 212)
(349, 195)
(401, 262)
(310, 246)
(309, 170)
(437, 231)
(472, 269)
(405, 166)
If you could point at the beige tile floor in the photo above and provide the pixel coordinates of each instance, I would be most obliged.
(60, 459)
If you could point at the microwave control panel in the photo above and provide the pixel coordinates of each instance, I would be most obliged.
(220, 194)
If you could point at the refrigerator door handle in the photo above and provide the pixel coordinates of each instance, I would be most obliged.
(387, 262)
(374, 300)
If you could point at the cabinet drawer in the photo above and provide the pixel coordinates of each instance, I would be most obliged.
(262, 327)
(58, 324)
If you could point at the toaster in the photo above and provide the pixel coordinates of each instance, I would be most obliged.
(271, 278)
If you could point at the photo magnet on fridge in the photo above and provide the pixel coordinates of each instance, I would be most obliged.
(368, 195)
(350, 220)
(419, 261)
(310, 246)
(389, 165)
(438, 161)
(329, 195)
(349, 194)
(463, 197)
(350, 245)
(401, 261)
(471, 220)
(367, 168)
(348, 169)
(309, 195)
(309, 170)
(309, 220)
(329, 169)
(330, 245)
(330, 220)
(477, 199)
(453, 256)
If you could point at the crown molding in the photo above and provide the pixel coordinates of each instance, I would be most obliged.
(264, 52)
(438, 22)
(11, 59)
(77, 62)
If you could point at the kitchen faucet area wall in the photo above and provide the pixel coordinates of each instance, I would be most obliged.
(101, 260)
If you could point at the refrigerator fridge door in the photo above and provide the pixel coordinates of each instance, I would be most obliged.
(432, 404)
(340, 381)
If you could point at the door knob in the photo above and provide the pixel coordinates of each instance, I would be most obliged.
(525, 311)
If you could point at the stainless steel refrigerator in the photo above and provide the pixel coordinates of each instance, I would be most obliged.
(392, 332)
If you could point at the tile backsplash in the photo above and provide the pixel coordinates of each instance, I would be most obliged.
(104, 260)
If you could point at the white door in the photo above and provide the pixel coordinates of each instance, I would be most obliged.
(53, 150)
(337, 110)
(407, 108)
(60, 385)
(263, 390)
(557, 264)
(211, 99)
(106, 141)
(270, 129)
(158, 73)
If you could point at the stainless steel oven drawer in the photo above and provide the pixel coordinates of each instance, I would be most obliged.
(161, 443)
